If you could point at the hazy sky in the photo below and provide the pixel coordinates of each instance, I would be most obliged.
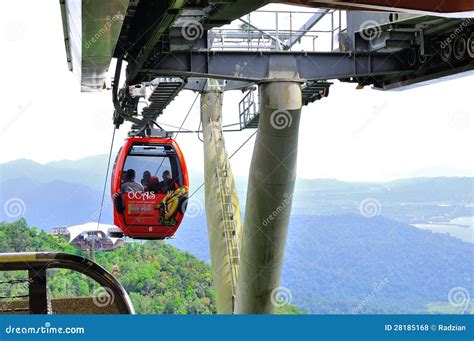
(352, 135)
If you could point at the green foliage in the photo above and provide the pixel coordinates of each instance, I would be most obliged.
(162, 280)
(288, 310)
(18, 237)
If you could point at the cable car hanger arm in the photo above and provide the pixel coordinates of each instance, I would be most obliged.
(119, 114)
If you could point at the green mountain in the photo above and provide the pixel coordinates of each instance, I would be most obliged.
(352, 264)
(414, 201)
(89, 172)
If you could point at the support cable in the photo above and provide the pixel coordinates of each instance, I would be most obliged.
(104, 189)
(230, 157)
(180, 127)
(189, 111)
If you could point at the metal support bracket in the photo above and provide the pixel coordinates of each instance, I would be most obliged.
(38, 294)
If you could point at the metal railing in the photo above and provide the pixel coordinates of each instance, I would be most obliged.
(283, 30)
(248, 110)
(36, 263)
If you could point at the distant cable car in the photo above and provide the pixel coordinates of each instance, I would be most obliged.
(149, 188)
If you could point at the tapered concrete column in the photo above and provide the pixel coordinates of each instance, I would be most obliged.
(222, 205)
(269, 197)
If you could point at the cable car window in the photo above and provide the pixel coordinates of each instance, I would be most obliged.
(145, 171)
(115, 163)
(148, 150)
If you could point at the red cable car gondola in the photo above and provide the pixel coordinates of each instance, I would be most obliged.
(149, 187)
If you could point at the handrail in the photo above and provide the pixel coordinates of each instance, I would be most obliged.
(35, 261)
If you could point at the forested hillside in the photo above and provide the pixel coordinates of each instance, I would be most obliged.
(352, 264)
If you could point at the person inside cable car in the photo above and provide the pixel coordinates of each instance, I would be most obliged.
(154, 184)
(123, 178)
(146, 180)
(168, 184)
(129, 184)
(150, 183)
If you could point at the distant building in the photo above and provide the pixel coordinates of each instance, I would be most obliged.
(89, 235)
(59, 231)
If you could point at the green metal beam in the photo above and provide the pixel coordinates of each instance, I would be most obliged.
(167, 19)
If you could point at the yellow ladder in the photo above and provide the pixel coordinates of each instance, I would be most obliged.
(227, 210)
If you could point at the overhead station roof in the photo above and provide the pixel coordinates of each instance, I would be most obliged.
(91, 30)
(97, 30)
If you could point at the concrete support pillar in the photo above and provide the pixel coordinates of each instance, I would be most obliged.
(269, 197)
(222, 205)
